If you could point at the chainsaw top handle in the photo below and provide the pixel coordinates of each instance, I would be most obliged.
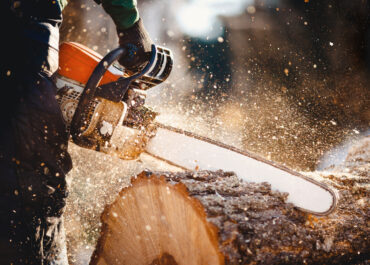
(78, 124)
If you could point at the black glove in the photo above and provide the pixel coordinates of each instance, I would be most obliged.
(137, 43)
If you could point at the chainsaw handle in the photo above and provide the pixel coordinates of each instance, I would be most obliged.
(79, 122)
(88, 94)
(148, 66)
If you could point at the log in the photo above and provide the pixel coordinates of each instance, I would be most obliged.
(204, 217)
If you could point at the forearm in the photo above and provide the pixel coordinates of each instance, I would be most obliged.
(131, 32)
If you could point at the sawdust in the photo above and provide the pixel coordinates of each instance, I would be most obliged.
(94, 181)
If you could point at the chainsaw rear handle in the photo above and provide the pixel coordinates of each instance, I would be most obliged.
(79, 123)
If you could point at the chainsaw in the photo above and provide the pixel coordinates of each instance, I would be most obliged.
(104, 108)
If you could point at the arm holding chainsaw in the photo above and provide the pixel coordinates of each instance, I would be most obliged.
(34, 139)
(131, 32)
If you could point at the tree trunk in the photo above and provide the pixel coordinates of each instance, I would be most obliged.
(215, 218)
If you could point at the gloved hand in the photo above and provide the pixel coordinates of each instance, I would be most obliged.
(137, 43)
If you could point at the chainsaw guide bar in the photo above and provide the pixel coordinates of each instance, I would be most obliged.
(190, 151)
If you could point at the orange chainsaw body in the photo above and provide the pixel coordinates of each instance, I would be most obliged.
(77, 62)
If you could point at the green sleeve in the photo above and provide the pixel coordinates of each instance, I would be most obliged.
(123, 12)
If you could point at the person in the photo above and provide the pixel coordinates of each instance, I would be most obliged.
(33, 139)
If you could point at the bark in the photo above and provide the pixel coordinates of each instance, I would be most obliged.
(249, 223)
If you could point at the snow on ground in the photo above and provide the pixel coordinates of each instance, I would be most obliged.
(347, 167)
(355, 149)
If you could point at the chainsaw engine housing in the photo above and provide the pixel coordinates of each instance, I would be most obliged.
(117, 106)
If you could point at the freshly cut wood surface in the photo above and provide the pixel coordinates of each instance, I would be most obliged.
(204, 217)
(154, 222)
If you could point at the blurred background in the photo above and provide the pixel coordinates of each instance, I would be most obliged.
(287, 79)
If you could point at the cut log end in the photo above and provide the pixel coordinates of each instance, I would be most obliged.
(155, 222)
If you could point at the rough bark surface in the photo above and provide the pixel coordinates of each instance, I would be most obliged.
(256, 226)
